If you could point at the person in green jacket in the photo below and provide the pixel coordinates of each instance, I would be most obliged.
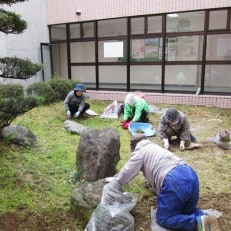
(136, 109)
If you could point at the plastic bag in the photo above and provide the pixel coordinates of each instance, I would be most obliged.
(111, 111)
(113, 212)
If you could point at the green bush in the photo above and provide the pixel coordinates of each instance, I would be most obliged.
(13, 67)
(13, 103)
(11, 90)
(61, 87)
(43, 92)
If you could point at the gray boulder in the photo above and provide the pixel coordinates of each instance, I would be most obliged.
(97, 154)
(74, 127)
(18, 135)
(85, 198)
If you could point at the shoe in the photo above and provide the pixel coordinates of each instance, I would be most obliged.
(193, 138)
(207, 223)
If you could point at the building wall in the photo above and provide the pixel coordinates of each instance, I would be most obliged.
(27, 44)
(58, 12)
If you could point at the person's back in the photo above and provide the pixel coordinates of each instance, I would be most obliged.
(154, 161)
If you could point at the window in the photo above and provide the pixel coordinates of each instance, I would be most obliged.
(112, 51)
(154, 24)
(185, 22)
(137, 25)
(113, 27)
(143, 50)
(217, 19)
(184, 48)
(82, 52)
(219, 47)
(58, 32)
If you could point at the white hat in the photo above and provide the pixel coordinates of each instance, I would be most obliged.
(130, 99)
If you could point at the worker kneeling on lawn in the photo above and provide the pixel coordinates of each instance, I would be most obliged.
(136, 109)
(175, 183)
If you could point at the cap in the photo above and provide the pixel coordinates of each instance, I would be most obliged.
(130, 99)
(79, 87)
(135, 140)
(171, 115)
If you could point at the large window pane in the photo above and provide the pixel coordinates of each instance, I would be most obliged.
(183, 77)
(143, 50)
(155, 24)
(84, 30)
(82, 52)
(185, 22)
(112, 51)
(217, 19)
(84, 74)
(75, 31)
(113, 77)
(145, 77)
(218, 78)
(219, 47)
(58, 32)
(137, 25)
(59, 60)
(184, 48)
(112, 27)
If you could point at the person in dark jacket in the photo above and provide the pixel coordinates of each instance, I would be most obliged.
(175, 123)
(75, 102)
(175, 183)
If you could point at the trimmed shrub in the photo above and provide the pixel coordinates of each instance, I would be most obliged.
(43, 91)
(11, 90)
(61, 87)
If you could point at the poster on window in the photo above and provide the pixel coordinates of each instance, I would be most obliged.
(151, 48)
(113, 49)
(138, 49)
(172, 48)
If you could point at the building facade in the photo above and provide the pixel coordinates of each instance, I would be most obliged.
(154, 46)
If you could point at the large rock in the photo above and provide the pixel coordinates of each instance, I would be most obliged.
(18, 135)
(74, 127)
(85, 198)
(97, 154)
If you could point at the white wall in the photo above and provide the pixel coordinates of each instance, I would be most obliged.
(27, 44)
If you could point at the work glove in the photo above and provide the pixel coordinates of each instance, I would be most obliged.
(126, 125)
(124, 122)
(77, 114)
(166, 143)
(68, 114)
(182, 145)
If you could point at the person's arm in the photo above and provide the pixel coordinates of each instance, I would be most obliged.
(162, 129)
(127, 111)
(185, 132)
(130, 170)
(67, 101)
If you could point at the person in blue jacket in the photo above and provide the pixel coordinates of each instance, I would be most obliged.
(175, 183)
(136, 109)
(75, 102)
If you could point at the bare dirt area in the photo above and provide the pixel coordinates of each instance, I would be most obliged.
(59, 221)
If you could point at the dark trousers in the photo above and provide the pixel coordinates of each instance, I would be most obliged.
(74, 108)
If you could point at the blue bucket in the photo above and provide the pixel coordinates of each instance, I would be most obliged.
(142, 128)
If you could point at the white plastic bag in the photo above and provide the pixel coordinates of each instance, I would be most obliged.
(111, 111)
(113, 212)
